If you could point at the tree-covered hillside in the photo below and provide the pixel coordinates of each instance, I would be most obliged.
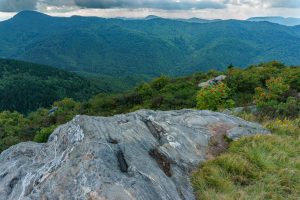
(24, 87)
(117, 48)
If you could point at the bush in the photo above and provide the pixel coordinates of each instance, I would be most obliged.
(274, 100)
(43, 135)
(160, 82)
(11, 123)
(13, 129)
(215, 98)
(284, 126)
(67, 109)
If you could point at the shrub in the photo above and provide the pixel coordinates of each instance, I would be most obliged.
(67, 109)
(11, 123)
(215, 98)
(284, 126)
(43, 135)
(274, 101)
(160, 82)
(13, 129)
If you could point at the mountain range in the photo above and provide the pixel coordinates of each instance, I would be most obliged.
(290, 21)
(144, 48)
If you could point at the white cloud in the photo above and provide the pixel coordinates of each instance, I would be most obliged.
(6, 15)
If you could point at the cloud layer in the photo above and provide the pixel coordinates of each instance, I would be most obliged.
(157, 4)
(266, 3)
(18, 5)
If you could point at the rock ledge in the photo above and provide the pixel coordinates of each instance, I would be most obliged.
(141, 155)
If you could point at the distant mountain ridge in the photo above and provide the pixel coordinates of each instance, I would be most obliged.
(192, 20)
(144, 48)
(286, 21)
(290, 21)
(151, 17)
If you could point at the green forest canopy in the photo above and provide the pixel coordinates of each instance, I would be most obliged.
(24, 87)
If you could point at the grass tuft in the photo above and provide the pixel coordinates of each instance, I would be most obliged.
(257, 167)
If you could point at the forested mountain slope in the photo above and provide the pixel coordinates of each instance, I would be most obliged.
(151, 47)
(26, 86)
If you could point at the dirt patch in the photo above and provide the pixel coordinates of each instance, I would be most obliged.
(94, 196)
(218, 143)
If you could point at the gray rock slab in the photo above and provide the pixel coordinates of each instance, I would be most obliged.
(143, 155)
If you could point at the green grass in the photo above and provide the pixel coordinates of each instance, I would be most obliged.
(258, 167)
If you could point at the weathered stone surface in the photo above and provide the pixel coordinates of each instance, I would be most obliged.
(213, 81)
(142, 155)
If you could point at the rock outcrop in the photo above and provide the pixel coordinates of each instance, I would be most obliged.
(141, 155)
(214, 81)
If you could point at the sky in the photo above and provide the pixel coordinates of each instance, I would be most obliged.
(209, 9)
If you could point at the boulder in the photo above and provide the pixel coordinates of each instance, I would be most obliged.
(141, 155)
(213, 81)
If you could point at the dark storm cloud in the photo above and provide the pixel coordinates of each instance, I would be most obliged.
(17, 5)
(158, 4)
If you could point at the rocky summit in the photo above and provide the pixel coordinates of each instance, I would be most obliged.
(141, 155)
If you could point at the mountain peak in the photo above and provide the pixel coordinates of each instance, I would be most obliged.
(152, 17)
(29, 13)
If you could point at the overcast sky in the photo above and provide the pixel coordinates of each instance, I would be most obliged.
(223, 9)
